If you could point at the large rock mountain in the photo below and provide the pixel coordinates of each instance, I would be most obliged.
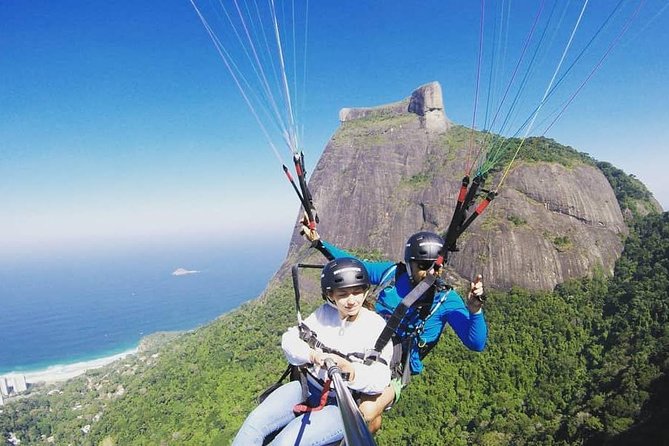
(392, 170)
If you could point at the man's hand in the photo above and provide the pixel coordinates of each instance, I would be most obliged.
(306, 231)
(476, 297)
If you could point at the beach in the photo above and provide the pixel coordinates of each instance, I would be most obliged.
(59, 373)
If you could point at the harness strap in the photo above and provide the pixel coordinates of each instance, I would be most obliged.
(368, 358)
(406, 366)
(423, 347)
(310, 337)
(400, 311)
(440, 287)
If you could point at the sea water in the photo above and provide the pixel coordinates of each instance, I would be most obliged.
(66, 308)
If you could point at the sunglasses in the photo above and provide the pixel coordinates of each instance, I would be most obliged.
(424, 265)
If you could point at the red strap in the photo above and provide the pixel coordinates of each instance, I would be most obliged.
(303, 408)
(462, 194)
(484, 204)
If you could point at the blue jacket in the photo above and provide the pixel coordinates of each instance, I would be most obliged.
(450, 309)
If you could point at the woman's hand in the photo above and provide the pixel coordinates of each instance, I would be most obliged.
(318, 358)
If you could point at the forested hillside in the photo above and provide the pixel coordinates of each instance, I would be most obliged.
(584, 365)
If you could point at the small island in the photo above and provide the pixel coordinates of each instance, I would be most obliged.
(183, 272)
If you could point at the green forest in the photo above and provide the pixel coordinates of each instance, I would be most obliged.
(586, 364)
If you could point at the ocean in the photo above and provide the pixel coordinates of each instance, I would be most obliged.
(63, 309)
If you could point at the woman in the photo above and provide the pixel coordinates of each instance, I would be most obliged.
(343, 325)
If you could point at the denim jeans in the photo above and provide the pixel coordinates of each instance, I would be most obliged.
(317, 428)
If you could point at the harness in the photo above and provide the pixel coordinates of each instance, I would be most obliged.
(402, 344)
(459, 223)
(311, 338)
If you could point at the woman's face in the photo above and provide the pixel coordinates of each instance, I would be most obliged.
(349, 301)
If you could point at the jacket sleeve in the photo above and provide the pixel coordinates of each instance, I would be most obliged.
(297, 351)
(319, 245)
(336, 252)
(470, 328)
(375, 270)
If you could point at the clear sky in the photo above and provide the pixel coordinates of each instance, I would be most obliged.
(119, 122)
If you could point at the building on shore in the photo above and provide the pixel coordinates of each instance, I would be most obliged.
(12, 385)
(20, 384)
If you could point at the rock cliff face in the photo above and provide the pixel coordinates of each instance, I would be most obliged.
(393, 170)
(426, 103)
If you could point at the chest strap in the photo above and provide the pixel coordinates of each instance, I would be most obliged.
(400, 311)
(311, 338)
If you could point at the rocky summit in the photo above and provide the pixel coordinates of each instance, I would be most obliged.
(392, 170)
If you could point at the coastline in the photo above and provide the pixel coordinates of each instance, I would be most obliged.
(63, 372)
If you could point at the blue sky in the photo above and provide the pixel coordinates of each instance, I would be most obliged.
(120, 124)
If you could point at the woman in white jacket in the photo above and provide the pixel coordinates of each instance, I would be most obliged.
(342, 325)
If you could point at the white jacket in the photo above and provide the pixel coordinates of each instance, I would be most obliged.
(346, 337)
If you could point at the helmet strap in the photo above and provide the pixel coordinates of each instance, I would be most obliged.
(330, 302)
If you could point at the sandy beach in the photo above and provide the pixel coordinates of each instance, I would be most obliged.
(59, 373)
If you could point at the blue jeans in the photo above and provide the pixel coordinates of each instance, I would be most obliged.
(310, 429)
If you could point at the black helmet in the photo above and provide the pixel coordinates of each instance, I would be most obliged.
(420, 251)
(423, 246)
(343, 273)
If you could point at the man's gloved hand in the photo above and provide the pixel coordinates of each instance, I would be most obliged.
(306, 231)
(476, 296)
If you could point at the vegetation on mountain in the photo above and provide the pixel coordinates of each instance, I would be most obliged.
(631, 374)
(547, 150)
(533, 149)
(632, 194)
(586, 364)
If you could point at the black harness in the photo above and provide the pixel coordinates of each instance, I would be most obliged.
(311, 338)
(421, 297)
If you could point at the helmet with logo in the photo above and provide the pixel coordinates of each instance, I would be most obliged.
(421, 250)
(345, 272)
